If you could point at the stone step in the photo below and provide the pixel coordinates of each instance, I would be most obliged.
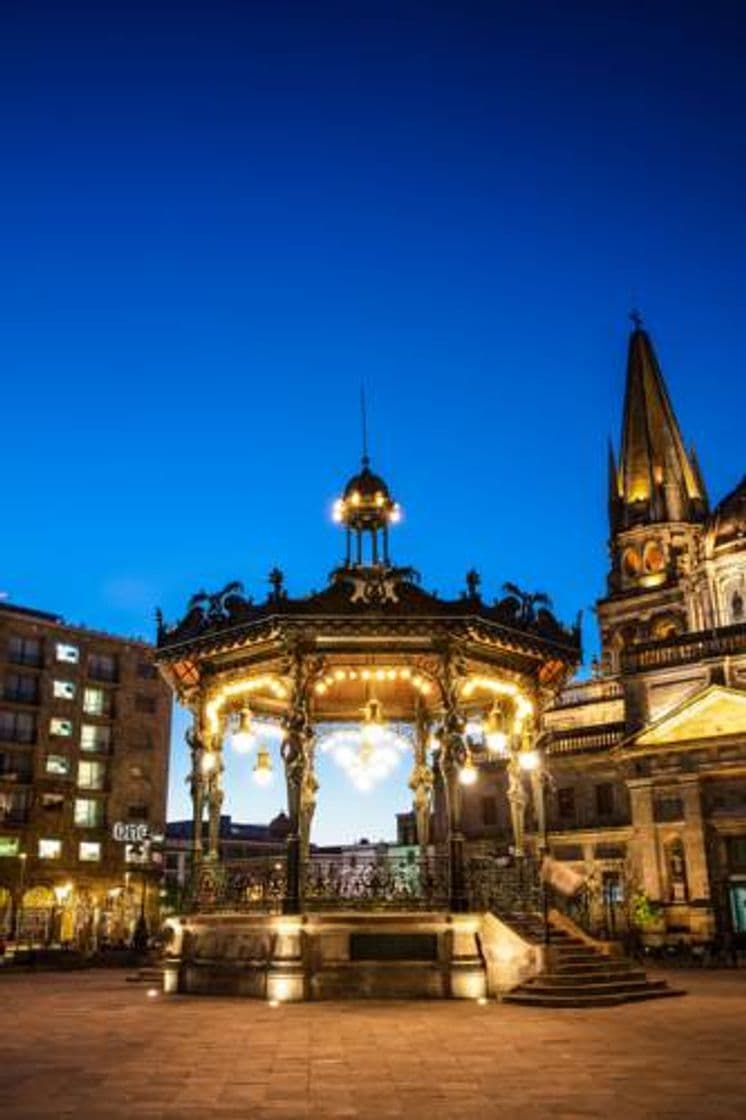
(573, 980)
(529, 999)
(611, 987)
(599, 966)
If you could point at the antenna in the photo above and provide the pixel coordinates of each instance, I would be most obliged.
(364, 420)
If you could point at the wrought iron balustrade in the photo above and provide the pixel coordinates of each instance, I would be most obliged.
(256, 885)
(344, 881)
(379, 881)
(504, 885)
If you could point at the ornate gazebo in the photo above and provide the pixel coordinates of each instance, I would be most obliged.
(373, 655)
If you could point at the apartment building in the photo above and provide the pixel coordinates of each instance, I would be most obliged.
(84, 743)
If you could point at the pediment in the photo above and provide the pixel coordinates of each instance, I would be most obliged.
(714, 713)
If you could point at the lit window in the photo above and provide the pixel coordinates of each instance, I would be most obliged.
(63, 690)
(70, 654)
(87, 812)
(50, 849)
(95, 702)
(90, 774)
(89, 851)
(57, 764)
(63, 727)
(94, 737)
(8, 846)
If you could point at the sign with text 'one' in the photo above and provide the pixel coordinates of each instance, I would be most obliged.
(130, 832)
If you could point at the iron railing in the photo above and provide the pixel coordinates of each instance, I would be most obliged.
(504, 885)
(343, 881)
(379, 881)
(257, 885)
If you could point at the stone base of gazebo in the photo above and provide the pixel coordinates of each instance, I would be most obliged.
(347, 955)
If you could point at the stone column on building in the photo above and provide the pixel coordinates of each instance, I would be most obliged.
(644, 842)
(695, 850)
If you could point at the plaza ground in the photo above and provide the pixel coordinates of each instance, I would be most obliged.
(91, 1045)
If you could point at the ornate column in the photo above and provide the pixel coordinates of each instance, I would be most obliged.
(308, 790)
(297, 755)
(196, 788)
(516, 801)
(421, 782)
(452, 757)
(215, 805)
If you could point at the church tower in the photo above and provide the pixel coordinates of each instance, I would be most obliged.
(657, 510)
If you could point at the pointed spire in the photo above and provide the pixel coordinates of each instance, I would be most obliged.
(657, 479)
(613, 496)
(364, 421)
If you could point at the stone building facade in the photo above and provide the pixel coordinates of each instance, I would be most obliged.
(645, 776)
(84, 744)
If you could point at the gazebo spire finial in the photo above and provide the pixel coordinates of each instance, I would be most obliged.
(364, 422)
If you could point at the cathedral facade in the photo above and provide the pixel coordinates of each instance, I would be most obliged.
(646, 774)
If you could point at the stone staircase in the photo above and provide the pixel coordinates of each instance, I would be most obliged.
(580, 975)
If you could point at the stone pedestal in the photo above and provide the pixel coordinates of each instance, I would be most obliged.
(405, 955)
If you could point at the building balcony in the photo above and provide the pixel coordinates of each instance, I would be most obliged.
(700, 646)
(587, 692)
(601, 738)
(589, 823)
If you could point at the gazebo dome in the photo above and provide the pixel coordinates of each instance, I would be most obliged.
(366, 484)
(728, 522)
(367, 508)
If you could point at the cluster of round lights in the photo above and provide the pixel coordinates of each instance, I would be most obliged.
(368, 752)
(378, 501)
(337, 676)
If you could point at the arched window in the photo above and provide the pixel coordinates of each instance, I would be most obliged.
(736, 607)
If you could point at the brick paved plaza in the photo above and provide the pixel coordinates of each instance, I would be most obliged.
(92, 1045)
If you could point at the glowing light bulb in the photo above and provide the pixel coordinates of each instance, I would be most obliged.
(467, 775)
(494, 731)
(529, 760)
(244, 738)
(263, 773)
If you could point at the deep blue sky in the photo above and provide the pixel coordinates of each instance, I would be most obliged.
(218, 219)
